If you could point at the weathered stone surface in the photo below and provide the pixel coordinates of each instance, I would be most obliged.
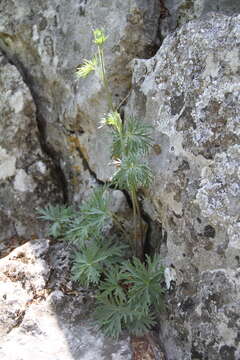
(175, 13)
(42, 316)
(190, 92)
(47, 41)
(26, 174)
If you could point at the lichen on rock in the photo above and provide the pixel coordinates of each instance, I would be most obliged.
(190, 93)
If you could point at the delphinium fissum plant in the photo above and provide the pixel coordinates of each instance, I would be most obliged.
(128, 289)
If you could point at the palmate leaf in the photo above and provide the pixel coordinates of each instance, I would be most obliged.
(60, 216)
(112, 317)
(95, 211)
(133, 173)
(141, 324)
(135, 138)
(112, 286)
(78, 233)
(145, 281)
(92, 217)
(90, 262)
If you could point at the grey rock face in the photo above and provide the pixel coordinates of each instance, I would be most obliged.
(41, 316)
(190, 92)
(175, 13)
(47, 41)
(26, 174)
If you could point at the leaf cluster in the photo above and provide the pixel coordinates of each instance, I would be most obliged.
(133, 173)
(92, 217)
(60, 216)
(134, 138)
(80, 226)
(128, 291)
(127, 297)
(91, 261)
(131, 143)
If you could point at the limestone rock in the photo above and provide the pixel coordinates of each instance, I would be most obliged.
(26, 174)
(190, 93)
(175, 13)
(41, 316)
(46, 42)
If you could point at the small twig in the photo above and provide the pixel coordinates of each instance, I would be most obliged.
(124, 99)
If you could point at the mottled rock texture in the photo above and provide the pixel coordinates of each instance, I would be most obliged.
(27, 176)
(190, 92)
(175, 13)
(47, 41)
(42, 316)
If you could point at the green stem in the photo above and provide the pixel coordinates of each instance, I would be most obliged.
(138, 234)
(104, 78)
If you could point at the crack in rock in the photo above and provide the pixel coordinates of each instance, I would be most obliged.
(41, 123)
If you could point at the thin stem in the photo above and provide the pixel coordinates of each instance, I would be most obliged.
(134, 223)
(117, 222)
(124, 99)
(104, 78)
(138, 235)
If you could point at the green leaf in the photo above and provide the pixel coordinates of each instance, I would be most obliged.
(90, 262)
(132, 174)
(112, 287)
(140, 325)
(92, 218)
(134, 138)
(60, 216)
(145, 281)
(137, 136)
(112, 317)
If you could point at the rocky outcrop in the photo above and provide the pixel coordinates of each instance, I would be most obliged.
(53, 136)
(175, 13)
(28, 179)
(190, 93)
(46, 42)
(42, 315)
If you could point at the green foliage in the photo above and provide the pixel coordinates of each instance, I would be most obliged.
(95, 211)
(134, 138)
(145, 281)
(127, 295)
(112, 317)
(127, 291)
(141, 324)
(92, 217)
(89, 263)
(60, 216)
(132, 173)
(112, 286)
